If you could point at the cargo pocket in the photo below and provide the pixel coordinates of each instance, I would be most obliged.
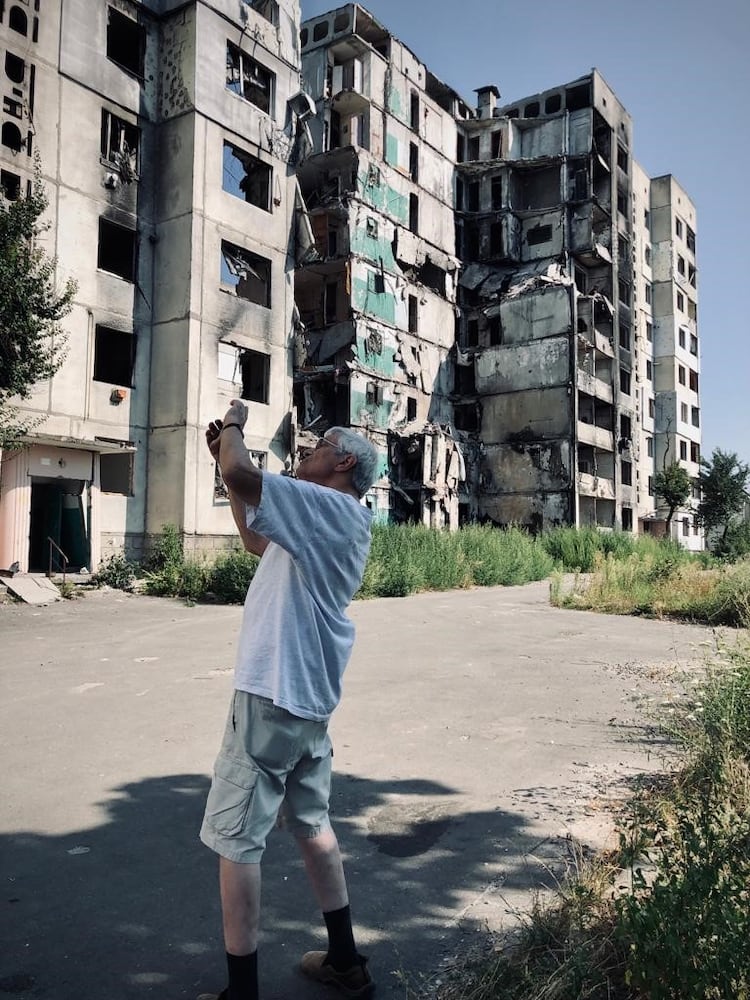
(230, 796)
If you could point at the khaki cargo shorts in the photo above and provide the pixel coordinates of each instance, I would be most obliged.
(268, 758)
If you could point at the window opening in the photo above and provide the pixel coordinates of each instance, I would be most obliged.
(116, 473)
(249, 80)
(466, 417)
(539, 234)
(626, 470)
(553, 104)
(472, 333)
(497, 192)
(678, 227)
(693, 344)
(690, 239)
(531, 110)
(495, 332)
(474, 148)
(695, 416)
(117, 249)
(413, 314)
(649, 447)
(246, 177)
(680, 302)
(625, 381)
(622, 158)
(695, 452)
(414, 213)
(627, 519)
(496, 239)
(267, 9)
(331, 291)
(683, 451)
(320, 31)
(472, 196)
(684, 412)
(15, 68)
(120, 142)
(255, 368)
(247, 273)
(11, 137)
(126, 42)
(681, 374)
(496, 147)
(414, 111)
(11, 185)
(411, 408)
(18, 21)
(414, 161)
(114, 355)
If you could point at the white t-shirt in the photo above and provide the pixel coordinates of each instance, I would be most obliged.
(296, 639)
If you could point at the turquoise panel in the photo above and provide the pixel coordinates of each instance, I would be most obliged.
(380, 414)
(391, 150)
(380, 305)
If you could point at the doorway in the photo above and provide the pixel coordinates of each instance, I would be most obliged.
(57, 514)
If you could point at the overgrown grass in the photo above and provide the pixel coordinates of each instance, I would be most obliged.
(662, 583)
(680, 933)
(409, 558)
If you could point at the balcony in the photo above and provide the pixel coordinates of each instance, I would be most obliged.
(597, 437)
(595, 486)
(595, 386)
(348, 95)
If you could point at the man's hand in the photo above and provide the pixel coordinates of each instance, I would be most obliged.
(213, 433)
(236, 414)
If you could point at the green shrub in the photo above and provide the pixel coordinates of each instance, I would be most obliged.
(167, 550)
(231, 575)
(736, 544)
(117, 572)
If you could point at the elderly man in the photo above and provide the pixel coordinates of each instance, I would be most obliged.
(314, 536)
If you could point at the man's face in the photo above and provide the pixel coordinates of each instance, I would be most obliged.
(320, 462)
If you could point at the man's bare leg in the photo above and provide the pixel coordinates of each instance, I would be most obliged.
(325, 870)
(240, 909)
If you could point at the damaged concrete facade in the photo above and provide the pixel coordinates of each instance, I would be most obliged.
(562, 320)
(168, 134)
(377, 298)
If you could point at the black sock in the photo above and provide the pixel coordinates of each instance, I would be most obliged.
(243, 977)
(342, 953)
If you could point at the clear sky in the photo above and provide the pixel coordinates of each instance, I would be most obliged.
(682, 69)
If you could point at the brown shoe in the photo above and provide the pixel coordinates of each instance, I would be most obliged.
(353, 982)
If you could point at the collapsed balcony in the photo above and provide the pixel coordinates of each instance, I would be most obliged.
(427, 468)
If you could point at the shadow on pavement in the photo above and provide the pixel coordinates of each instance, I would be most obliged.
(129, 908)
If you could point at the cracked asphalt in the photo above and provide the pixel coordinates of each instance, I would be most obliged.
(477, 730)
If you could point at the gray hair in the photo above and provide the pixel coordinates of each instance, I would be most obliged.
(364, 472)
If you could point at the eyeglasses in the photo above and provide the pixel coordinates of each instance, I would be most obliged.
(332, 444)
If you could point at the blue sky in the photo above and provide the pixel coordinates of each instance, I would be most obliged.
(682, 69)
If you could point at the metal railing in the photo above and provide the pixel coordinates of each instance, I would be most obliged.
(53, 545)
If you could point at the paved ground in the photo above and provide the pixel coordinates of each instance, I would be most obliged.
(477, 728)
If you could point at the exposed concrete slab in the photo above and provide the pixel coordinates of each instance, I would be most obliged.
(477, 729)
(33, 589)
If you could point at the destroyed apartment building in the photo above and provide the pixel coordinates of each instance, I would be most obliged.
(378, 301)
(305, 216)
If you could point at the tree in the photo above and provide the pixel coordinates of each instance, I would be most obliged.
(32, 343)
(673, 485)
(723, 483)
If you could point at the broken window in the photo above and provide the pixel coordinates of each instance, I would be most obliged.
(624, 336)
(692, 275)
(690, 239)
(117, 249)
(627, 518)
(496, 145)
(330, 296)
(471, 241)
(414, 110)
(683, 451)
(376, 282)
(474, 148)
(496, 239)
(229, 363)
(413, 314)
(625, 381)
(466, 417)
(246, 177)
(581, 281)
(119, 144)
(623, 291)
(626, 470)
(249, 80)
(15, 68)
(681, 265)
(680, 302)
(497, 192)
(581, 185)
(539, 234)
(374, 393)
(472, 196)
(247, 273)
(460, 148)
(693, 344)
(472, 333)
(622, 158)
(495, 331)
(11, 137)
(414, 161)
(126, 42)
(536, 189)
(371, 227)
(577, 98)
(114, 355)
(622, 202)
(465, 380)
(116, 473)
(18, 21)
(255, 368)
(531, 110)
(411, 408)
(695, 452)
(692, 310)
(11, 185)
(414, 213)
(268, 9)
(553, 104)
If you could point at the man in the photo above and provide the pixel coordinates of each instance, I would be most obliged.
(314, 536)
